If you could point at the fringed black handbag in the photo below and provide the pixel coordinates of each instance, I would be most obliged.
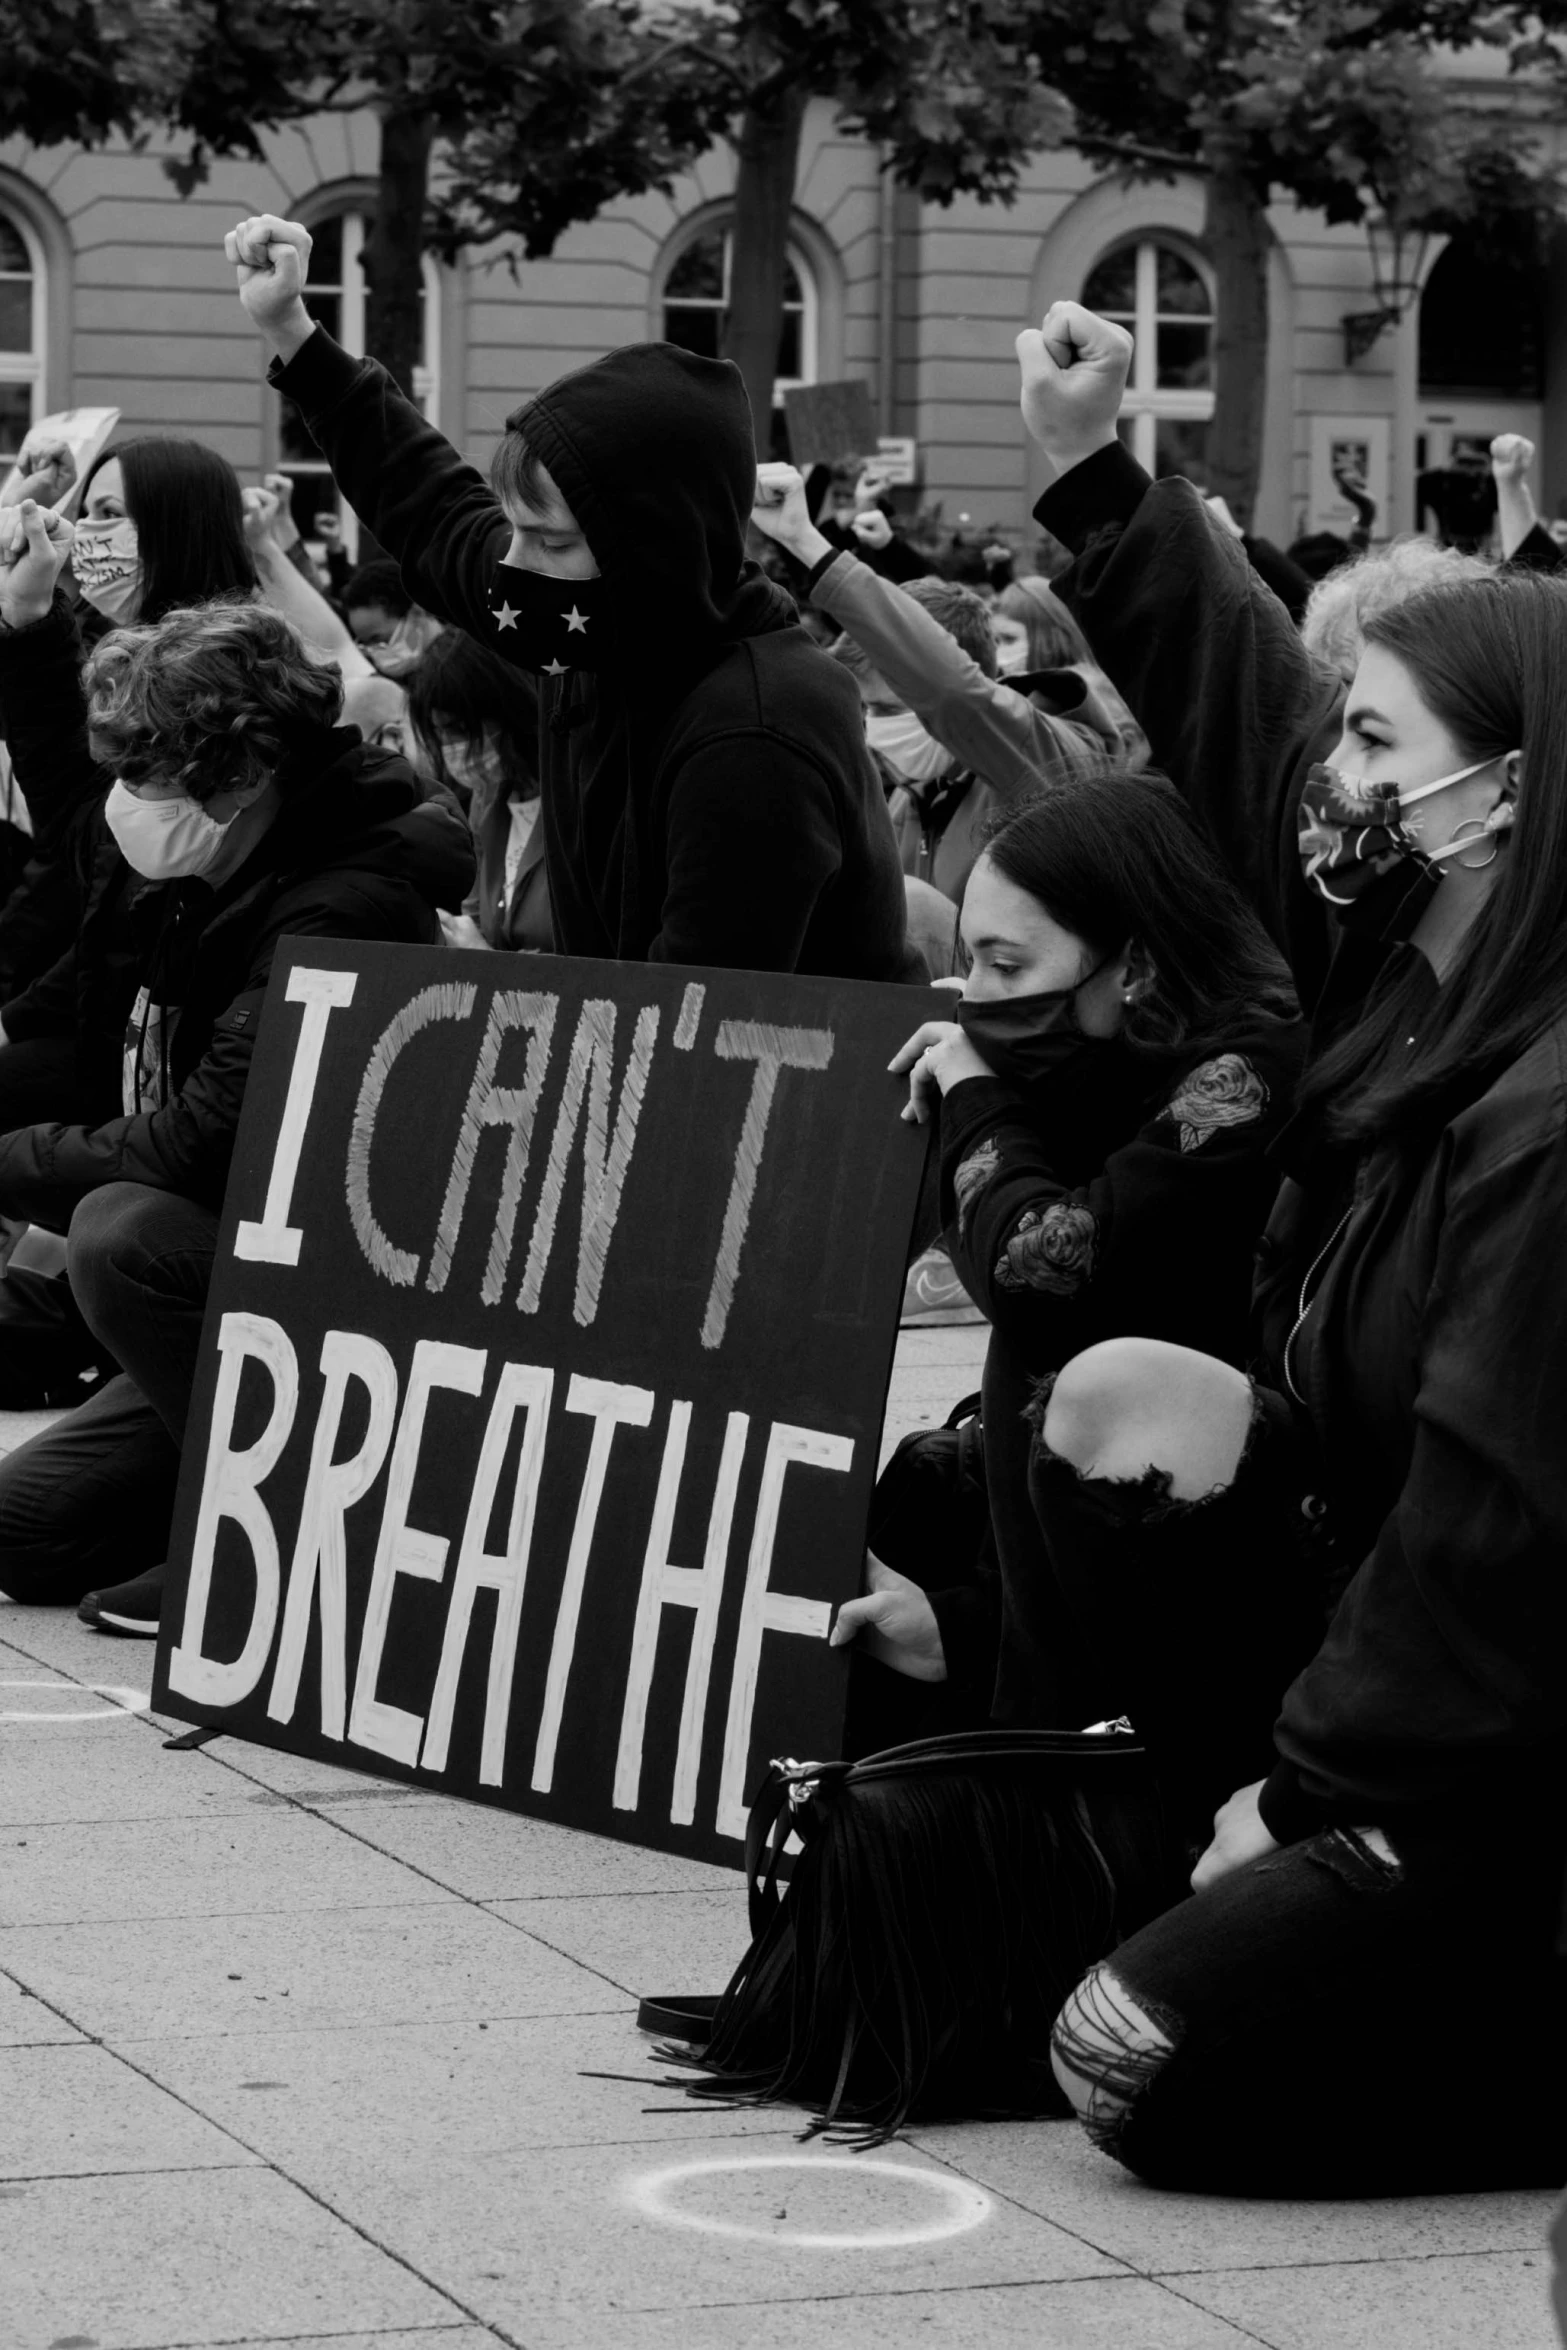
(949, 1895)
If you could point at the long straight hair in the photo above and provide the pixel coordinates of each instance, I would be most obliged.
(1112, 857)
(190, 523)
(1489, 658)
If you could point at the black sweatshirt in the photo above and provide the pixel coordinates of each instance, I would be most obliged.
(357, 850)
(1433, 1362)
(710, 798)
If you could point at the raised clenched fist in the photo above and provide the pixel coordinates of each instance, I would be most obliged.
(1511, 456)
(271, 258)
(1074, 369)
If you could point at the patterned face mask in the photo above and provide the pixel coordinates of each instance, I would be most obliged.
(1354, 833)
(551, 625)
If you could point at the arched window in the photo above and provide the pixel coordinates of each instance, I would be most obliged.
(21, 334)
(1162, 295)
(695, 307)
(336, 297)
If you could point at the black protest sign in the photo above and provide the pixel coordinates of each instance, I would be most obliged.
(537, 1417)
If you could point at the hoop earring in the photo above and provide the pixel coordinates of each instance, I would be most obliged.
(1478, 826)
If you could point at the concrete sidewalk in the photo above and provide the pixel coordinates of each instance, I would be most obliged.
(292, 2056)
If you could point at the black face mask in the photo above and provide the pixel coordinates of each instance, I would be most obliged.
(552, 625)
(1024, 1038)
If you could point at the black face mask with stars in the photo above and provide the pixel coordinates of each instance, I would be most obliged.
(551, 625)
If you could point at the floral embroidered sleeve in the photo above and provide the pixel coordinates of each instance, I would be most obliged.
(1157, 1241)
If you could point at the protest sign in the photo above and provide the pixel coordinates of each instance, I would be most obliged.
(536, 1423)
(828, 422)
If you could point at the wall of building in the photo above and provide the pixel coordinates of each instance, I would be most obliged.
(142, 310)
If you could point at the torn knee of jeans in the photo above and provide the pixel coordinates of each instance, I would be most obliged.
(1107, 2047)
(1361, 1858)
(1146, 1498)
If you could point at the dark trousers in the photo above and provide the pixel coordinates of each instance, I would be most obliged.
(1325, 2007)
(90, 1501)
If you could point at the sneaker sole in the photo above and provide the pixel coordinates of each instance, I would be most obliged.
(134, 1627)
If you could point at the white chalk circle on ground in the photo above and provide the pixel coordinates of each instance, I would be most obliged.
(125, 1702)
(662, 2194)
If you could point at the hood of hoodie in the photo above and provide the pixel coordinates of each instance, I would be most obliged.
(653, 450)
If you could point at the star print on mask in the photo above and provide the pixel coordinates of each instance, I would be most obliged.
(537, 632)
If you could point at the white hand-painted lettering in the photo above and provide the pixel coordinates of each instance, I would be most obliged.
(772, 1049)
(274, 1241)
(445, 1001)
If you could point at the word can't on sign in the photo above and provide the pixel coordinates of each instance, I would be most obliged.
(607, 1143)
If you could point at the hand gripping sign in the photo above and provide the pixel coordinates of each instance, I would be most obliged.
(543, 1371)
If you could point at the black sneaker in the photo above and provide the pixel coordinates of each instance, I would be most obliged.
(130, 1608)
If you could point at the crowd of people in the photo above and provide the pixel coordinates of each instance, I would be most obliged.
(1249, 892)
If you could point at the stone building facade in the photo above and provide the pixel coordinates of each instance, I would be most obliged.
(114, 290)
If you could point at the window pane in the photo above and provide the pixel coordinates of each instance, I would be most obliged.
(1181, 287)
(695, 327)
(794, 293)
(327, 310)
(326, 252)
(1112, 283)
(1184, 358)
(16, 313)
(699, 271)
(1181, 446)
(13, 252)
(789, 347)
(16, 414)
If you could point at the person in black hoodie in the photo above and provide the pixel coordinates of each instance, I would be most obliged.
(706, 792)
(1395, 1849)
(239, 813)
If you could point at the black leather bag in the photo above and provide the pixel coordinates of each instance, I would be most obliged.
(948, 1896)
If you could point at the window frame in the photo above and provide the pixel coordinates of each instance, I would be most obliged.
(1145, 405)
(30, 367)
(801, 260)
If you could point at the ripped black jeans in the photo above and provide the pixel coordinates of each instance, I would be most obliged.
(1350, 2015)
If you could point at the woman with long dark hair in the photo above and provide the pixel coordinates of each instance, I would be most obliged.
(1124, 1052)
(1396, 1844)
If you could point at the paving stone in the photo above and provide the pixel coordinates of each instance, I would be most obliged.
(248, 1861)
(457, 2336)
(1468, 2301)
(1050, 2168)
(114, 1769)
(170, 1976)
(312, 2101)
(568, 2227)
(506, 1856)
(25, 2022)
(1110, 2313)
(76, 2110)
(649, 1943)
(192, 2257)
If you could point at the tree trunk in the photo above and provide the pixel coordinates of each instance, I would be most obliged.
(1236, 229)
(393, 256)
(769, 156)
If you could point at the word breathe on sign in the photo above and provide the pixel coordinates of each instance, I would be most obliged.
(545, 1360)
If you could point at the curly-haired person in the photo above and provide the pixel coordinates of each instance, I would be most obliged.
(237, 811)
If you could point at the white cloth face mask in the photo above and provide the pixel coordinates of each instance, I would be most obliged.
(898, 737)
(106, 560)
(164, 840)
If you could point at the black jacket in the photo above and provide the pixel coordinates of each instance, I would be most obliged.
(709, 800)
(1433, 1362)
(357, 851)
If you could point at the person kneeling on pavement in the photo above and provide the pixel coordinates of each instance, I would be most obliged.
(243, 813)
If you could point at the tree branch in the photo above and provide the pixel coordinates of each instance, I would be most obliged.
(1131, 151)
